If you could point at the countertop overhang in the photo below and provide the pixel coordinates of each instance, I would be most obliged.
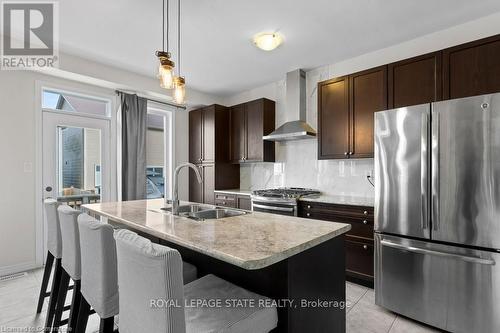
(251, 241)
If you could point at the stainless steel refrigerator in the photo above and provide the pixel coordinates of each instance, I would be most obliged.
(437, 213)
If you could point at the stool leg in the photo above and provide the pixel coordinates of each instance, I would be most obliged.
(54, 291)
(45, 281)
(83, 316)
(107, 325)
(61, 299)
(75, 305)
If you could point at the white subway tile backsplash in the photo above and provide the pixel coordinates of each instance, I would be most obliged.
(297, 165)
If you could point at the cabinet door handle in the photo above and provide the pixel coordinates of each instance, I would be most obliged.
(365, 222)
(350, 153)
(365, 212)
(365, 247)
(308, 214)
(308, 206)
(223, 202)
(345, 153)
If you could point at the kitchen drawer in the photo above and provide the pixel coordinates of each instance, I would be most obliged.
(360, 218)
(359, 259)
(225, 203)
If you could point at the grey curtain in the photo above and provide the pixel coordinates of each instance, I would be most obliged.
(134, 118)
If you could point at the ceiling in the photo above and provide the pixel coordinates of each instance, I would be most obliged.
(217, 54)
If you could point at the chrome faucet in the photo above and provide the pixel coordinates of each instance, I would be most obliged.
(175, 189)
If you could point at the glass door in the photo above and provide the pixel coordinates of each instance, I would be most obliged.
(75, 158)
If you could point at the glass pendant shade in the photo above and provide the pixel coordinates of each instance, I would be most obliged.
(166, 76)
(179, 90)
(165, 70)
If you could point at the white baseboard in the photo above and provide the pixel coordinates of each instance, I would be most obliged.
(6, 270)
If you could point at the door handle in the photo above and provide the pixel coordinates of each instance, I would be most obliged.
(435, 171)
(281, 209)
(475, 260)
(48, 189)
(424, 170)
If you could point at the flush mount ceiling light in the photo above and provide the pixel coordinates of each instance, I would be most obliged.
(268, 41)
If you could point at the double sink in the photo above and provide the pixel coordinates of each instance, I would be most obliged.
(205, 212)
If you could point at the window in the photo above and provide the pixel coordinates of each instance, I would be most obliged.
(52, 100)
(158, 160)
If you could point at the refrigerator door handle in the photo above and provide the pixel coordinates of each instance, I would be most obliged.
(435, 171)
(475, 260)
(424, 170)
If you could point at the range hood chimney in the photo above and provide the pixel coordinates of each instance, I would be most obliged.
(295, 105)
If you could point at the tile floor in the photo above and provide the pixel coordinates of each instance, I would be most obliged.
(18, 299)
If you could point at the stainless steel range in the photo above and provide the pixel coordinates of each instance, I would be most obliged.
(281, 201)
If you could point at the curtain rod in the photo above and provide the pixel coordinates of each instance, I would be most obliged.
(154, 100)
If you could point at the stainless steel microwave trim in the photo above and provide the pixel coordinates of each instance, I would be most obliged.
(438, 253)
(281, 209)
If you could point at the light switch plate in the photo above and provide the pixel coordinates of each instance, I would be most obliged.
(28, 167)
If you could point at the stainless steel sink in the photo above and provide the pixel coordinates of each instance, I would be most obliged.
(189, 208)
(217, 213)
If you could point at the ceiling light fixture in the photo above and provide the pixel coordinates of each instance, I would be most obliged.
(268, 41)
(179, 81)
(166, 67)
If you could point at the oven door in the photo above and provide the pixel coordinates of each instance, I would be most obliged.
(275, 207)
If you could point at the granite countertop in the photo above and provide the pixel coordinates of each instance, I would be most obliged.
(250, 241)
(343, 200)
(235, 191)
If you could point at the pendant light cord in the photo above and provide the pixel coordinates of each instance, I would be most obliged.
(163, 26)
(179, 35)
(167, 25)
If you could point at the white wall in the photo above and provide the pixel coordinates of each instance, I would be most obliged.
(18, 144)
(297, 163)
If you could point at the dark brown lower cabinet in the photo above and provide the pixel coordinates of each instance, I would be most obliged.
(216, 176)
(233, 200)
(359, 240)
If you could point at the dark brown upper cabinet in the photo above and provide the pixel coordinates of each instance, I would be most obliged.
(333, 118)
(415, 81)
(208, 135)
(345, 113)
(238, 133)
(368, 94)
(472, 69)
(196, 136)
(249, 123)
(209, 140)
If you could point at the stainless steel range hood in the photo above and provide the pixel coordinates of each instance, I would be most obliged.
(296, 129)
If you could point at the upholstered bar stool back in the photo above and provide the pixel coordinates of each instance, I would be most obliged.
(71, 264)
(148, 275)
(54, 243)
(71, 260)
(99, 285)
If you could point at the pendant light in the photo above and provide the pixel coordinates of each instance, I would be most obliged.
(166, 67)
(179, 81)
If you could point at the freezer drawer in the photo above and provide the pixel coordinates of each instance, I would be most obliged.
(452, 288)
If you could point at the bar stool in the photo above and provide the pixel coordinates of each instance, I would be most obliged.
(152, 294)
(99, 282)
(71, 267)
(54, 251)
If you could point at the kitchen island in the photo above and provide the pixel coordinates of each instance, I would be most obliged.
(299, 263)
